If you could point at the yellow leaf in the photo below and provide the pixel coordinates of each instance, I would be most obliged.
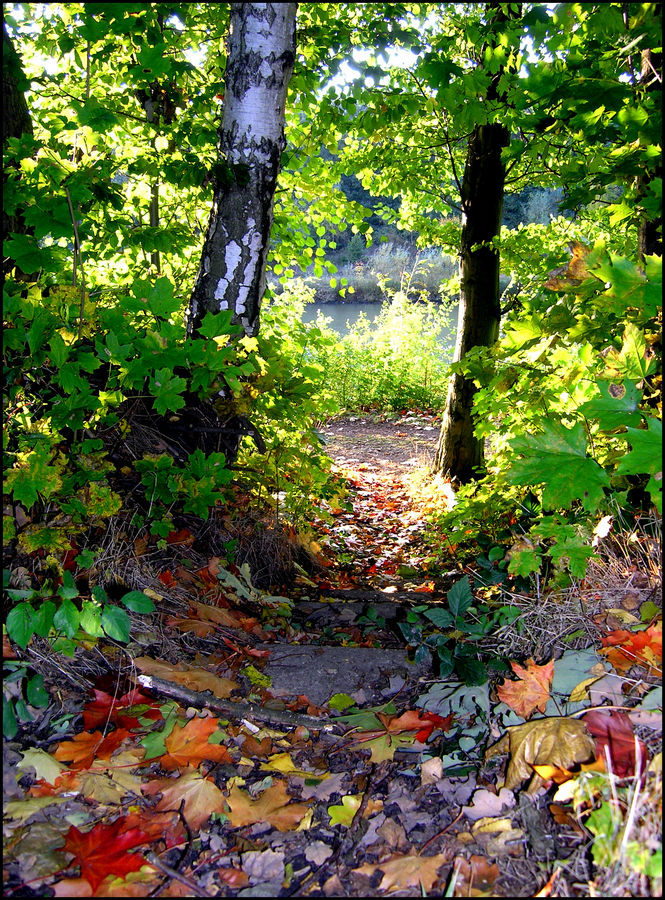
(581, 690)
(490, 825)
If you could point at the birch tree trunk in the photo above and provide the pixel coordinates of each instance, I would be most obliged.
(261, 56)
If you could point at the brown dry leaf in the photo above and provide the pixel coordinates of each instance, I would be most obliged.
(229, 618)
(474, 877)
(202, 797)
(532, 691)
(555, 741)
(189, 625)
(188, 676)
(401, 872)
(188, 746)
(272, 806)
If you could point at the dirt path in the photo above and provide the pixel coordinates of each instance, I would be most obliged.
(380, 534)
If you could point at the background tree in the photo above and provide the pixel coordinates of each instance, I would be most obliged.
(260, 61)
(459, 453)
(16, 122)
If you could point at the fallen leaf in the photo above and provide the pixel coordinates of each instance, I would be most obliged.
(484, 803)
(104, 850)
(81, 751)
(188, 676)
(273, 806)
(614, 735)
(46, 766)
(625, 649)
(189, 746)
(532, 691)
(202, 797)
(556, 741)
(474, 877)
(105, 708)
(401, 872)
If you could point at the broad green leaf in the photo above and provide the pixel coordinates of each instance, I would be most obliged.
(646, 454)
(66, 618)
(460, 597)
(440, 617)
(116, 623)
(36, 692)
(44, 618)
(630, 362)
(20, 624)
(524, 562)
(557, 459)
(34, 475)
(91, 618)
(167, 390)
(137, 602)
(617, 405)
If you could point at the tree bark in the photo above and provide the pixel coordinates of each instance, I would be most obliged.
(261, 56)
(649, 231)
(459, 453)
(16, 122)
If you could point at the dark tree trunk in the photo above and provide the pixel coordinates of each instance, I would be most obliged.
(261, 55)
(649, 232)
(459, 453)
(16, 122)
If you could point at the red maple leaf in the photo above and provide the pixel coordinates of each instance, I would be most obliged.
(104, 850)
(105, 708)
(614, 730)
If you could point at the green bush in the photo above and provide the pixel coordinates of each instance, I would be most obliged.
(398, 362)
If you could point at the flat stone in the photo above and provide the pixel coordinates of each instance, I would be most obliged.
(318, 672)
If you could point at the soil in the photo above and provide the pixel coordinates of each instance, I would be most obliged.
(396, 447)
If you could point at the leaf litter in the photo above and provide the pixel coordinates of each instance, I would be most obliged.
(143, 795)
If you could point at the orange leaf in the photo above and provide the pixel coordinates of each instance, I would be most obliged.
(188, 746)
(104, 850)
(532, 691)
(201, 796)
(402, 872)
(625, 649)
(272, 806)
(81, 751)
(412, 720)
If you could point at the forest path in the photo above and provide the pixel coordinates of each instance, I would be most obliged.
(380, 535)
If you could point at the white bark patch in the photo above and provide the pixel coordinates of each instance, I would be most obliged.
(232, 259)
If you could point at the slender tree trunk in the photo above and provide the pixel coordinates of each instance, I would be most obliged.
(261, 55)
(16, 122)
(649, 232)
(459, 453)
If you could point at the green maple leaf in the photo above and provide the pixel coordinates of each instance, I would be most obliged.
(646, 455)
(616, 406)
(34, 475)
(558, 460)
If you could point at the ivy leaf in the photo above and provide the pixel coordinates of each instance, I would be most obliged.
(617, 405)
(557, 459)
(215, 324)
